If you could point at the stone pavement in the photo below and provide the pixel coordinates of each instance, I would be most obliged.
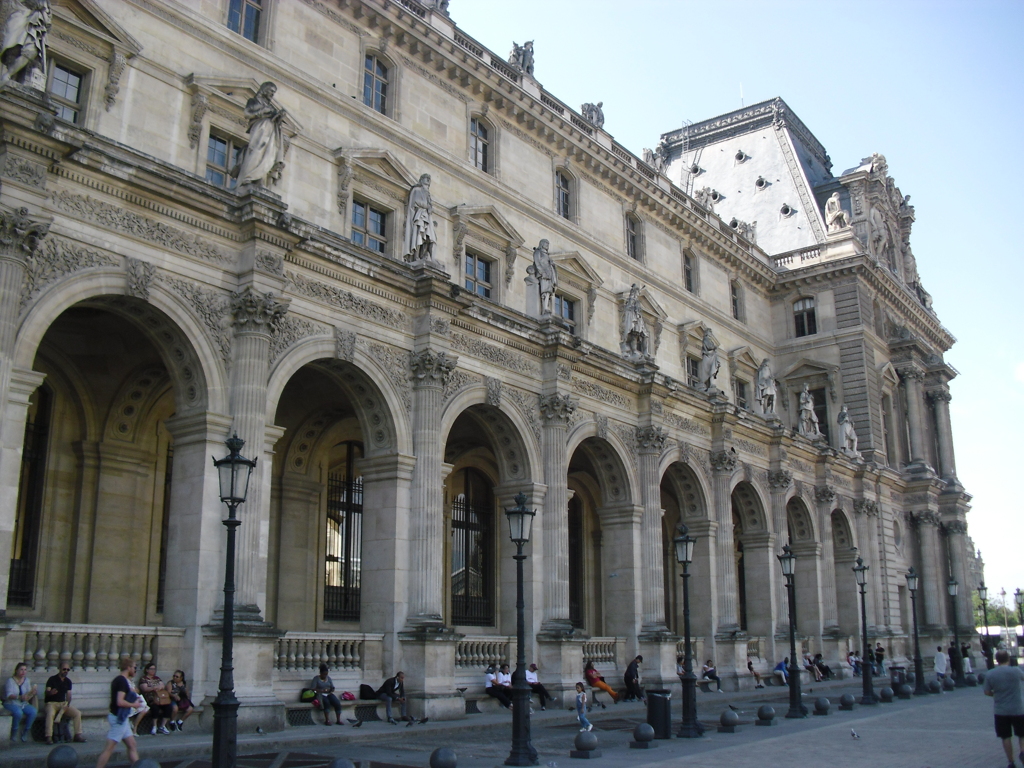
(952, 730)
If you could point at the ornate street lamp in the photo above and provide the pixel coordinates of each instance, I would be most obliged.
(919, 686)
(953, 586)
(788, 561)
(520, 522)
(1018, 598)
(867, 669)
(691, 727)
(233, 472)
(983, 596)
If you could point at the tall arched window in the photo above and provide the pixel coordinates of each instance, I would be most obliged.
(472, 568)
(375, 84)
(344, 536)
(563, 195)
(804, 319)
(480, 144)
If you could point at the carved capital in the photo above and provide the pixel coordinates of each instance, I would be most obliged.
(724, 461)
(956, 526)
(927, 518)
(651, 439)
(429, 368)
(939, 396)
(19, 234)
(780, 480)
(557, 409)
(865, 507)
(910, 373)
(824, 494)
(255, 312)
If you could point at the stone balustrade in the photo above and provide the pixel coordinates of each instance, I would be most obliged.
(306, 651)
(91, 647)
(479, 651)
(601, 651)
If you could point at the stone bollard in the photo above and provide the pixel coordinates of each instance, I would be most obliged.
(885, 695)
(847, 702)
(728, 722)
(443, 757)
(971, 680)
(586, 746)
(905, 692)
(934, 686)
(981, 677)
(146, 762)
(766, 715)
(62, 757)
(948, 684)
(911, 678)
(822, 706)
(344, 762)
(643, 737)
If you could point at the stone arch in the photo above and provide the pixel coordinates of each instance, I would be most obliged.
(689, 490)
(749, 504)
(621, 474)
(680, 454)
(65, 376)
(800, 521)
(198, 375)
(843, 537)
(381, 406)
(138, 394)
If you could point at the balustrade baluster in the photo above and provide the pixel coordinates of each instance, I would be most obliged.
(89, 660)
(357, 654)
(147, 650)
(41, 651)
(291, 653)
(307, 654)
(78, 655)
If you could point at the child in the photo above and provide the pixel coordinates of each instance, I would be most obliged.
(581, 708)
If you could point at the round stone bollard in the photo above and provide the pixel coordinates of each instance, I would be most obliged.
(971, 681)
(443, 757)
(911, 678)
(934, 686)
(643, 737)
(981, 677)
(948, 684)
(146, 762)
(765, 715)
(847, 702)
(586, 746)
(905, 692)
(822, 706)
(728, 722)
(344, 762)
(885, 695)
(63, 756)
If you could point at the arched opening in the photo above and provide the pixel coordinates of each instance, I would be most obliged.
(755, 562)
(472, 561)
(845, 554)
(800, 533)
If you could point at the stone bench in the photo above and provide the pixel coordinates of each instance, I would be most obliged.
(304, 713)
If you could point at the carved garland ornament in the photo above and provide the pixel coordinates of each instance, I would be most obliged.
(140, 277)
(57, 258)
(200, 103)
(211, 308)
(113, 86)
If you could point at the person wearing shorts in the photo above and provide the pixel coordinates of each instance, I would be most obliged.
(123, 702)
(1005, 684)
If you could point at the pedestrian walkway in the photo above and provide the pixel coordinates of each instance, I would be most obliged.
(952, 730)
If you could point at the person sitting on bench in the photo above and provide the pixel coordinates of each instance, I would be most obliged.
(595, 680)
(782, 670)
(323, 688)
(710, 673)
(492, 689)
(394, 690)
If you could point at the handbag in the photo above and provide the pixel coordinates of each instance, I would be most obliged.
(163, 698)
(307, 696)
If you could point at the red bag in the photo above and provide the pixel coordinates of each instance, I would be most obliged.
(316, 703)
(348, 696)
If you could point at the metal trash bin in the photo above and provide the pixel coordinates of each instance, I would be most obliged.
(659, 713)
(897, 676)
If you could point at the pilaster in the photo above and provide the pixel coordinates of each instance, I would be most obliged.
(651, 442)
(555, 411)
(723, 464)
(912, 377)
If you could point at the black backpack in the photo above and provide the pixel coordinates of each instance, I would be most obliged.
(366, 692)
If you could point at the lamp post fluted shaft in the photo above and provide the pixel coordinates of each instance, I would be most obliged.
(867, 668)
(919, 686)
(796, 709)
(691, 727)
(989, 663)
(225, 706)
(522, 752)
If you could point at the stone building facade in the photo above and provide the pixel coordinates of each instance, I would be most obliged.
(188, 253)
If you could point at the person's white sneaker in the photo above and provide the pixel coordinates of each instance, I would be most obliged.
(152, 731)
(163, 729)
(590, 727)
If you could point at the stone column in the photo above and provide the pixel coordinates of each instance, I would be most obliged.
(933, 587)
(255, 317)
(825, 496)
(915, 415)
(723, 464)
(620, 554)
(779, 482)
(430, 370)
(947, 463)
(651, 442)
(555, 411)
(867, 536)
(955, 540)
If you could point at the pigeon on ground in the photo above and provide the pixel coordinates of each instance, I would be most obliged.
(355, 723)
(853, 733)
(260, 731)
(424, 720)
(734, 708)
(410, 724)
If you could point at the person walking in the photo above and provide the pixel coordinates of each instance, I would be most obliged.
(1005, 684)
(123, 702)
(581, 708)
(941, 663)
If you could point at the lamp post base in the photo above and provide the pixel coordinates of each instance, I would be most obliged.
(225, 730)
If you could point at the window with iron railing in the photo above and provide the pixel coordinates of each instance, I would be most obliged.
(344, 553)
(472, 563)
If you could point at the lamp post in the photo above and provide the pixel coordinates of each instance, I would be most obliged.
(983, 596)
(233, 472)
(691, 728)
(788, 561)
(953, 586)
(520, 521)
(919, 687)
(868, 694)
(1018, 598)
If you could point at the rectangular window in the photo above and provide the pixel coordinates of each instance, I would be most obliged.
(479, 145)
(566, 309)
(472, 564)
(688, 276)
(740, 389)
(244, 18)
(375, 84)
(632, 238)
(344, 554)
(734, 295)
(222, 155)
(887, 433)
(821, 410)
(563, 200)
(693, 372)
(369, 227)
(65, 90)
(804, 319)
(478, 275)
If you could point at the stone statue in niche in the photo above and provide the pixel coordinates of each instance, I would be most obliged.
(766, 390)
(835, 217)
(522, 57)
(420, 235)
(263, 160)
(634, 329)
(543, 269)
(808, 426)
(707, 371)
(593, 113)
(847, 434)
(23, 50)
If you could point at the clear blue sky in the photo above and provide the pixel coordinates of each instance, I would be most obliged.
(933, 86)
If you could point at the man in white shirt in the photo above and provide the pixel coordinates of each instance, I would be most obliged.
(537, 687)
(941, 663)
(493, 689)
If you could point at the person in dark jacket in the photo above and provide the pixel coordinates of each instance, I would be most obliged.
(632, 680)
(393, 690)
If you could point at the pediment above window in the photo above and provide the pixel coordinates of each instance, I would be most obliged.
(742, 363)
(485, 229)
(378, 169)
(574, 271)
(691, 338)
(653, 313)
(226, 97)
(85, 21)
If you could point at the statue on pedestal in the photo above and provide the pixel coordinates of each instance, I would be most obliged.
(263, 160)
(847, 434)
(707, 371)
(835, 217)
(23, 50)
(766, 389)
(522, 57)
(543, 270)
(808, 418)
(420, 236)
(634, 329)
(593, 113)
